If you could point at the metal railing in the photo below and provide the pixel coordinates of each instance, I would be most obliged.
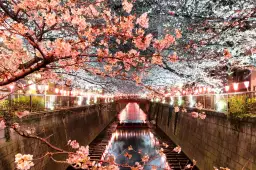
(217, 102)
(41, 102)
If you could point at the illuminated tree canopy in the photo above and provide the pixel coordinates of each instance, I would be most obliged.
(124, 44)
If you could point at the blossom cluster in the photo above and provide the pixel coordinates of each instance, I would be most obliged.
(80, 159)
(177, 149)
(198, 115)
(24, 162)
(2, 124)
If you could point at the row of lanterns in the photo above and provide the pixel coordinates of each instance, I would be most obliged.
(58, 91)
(236, 85)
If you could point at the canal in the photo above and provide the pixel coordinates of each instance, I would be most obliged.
(133, 143)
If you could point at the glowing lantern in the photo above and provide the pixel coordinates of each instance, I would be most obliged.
(235, 86)
(196, 91)
(39, 87)
(200, 90)
(246, 84)
(204, 89)
(11, 87)
(209, 89)
(56, 90)
(46, 87)
(226, 88)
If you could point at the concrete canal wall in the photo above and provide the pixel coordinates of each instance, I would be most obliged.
(215, 141)
(82, 124)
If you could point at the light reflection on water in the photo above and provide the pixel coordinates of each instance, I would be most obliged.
(142, 141)
(132, 114)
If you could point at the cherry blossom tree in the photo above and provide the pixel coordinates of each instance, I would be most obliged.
(210, 35)
(43, 36)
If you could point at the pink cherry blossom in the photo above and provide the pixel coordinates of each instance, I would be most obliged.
(169, 40)
(202, 115)
(226, 53)
(93, 10)
(176, 109)
(165, 145)
(2, 124)
(138, 165)
(24, 162)
(108, 68)
(127, 6)
(157, 59)
(153, 168)
(74, 144)
(164, 43)
(143, 43)
(171, 12)
(16, 125)
(188, 166)
(178, 33)
(194, 114)
(173, 58)
(22, 113)
(145, 158)
(80, 159)
(143, 20)
(50, 19)
(177, 149)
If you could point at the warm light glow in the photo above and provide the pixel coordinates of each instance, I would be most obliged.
(39, 87)
(95, 99)
(204, 89)
(32, 87)
(132, 113)
(88, 100)
(172, 101)
(196, 91)
(11, 87)
(80, 100)
(46, 87)
(221, 104)
(209, 89)
(246, 83)
(56, 90)
(235, 86)
(226, 88)
(157, 99)
(192, 102)
(200, 90)
(180, 101)
(50, 102)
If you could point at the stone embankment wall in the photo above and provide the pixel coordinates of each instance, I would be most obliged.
(216, 141)
(82, 124)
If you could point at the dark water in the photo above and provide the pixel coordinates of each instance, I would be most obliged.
(143, 142)
(130, 145)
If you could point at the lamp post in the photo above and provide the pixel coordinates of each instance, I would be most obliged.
(227, 89)
(46, 87)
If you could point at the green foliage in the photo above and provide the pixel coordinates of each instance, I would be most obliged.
(251, 106)
(178, 102)
(23, 103)
(4, 104)
(239, 106)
